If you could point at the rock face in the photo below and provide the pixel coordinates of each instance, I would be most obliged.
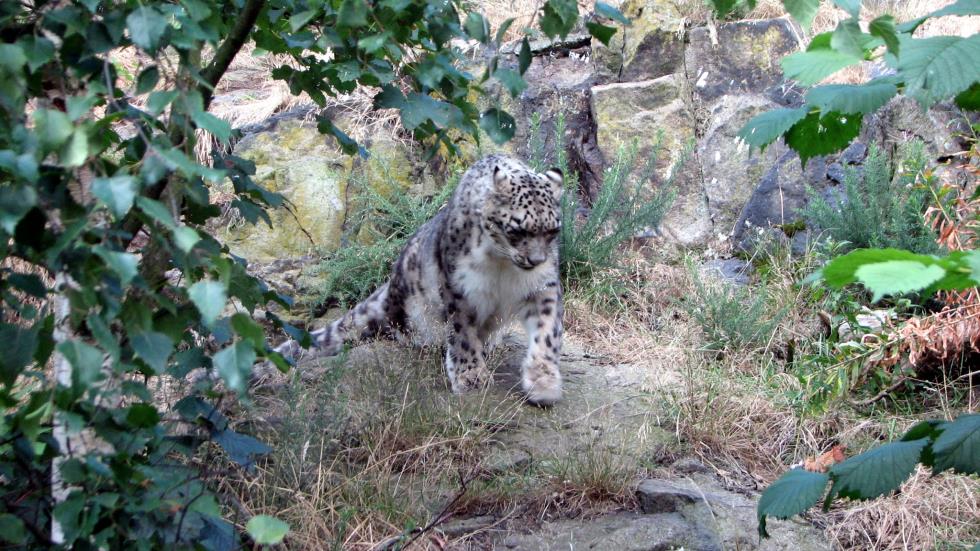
(740, 57)
(292, 158)
(653, 46)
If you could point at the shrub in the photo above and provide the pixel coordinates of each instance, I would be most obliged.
(731, 317)
(624, 207)
(354, 271)
(878, 208)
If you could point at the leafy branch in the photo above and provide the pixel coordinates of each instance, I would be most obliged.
(939, 445)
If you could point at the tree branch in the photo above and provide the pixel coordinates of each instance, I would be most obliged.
(212, 75)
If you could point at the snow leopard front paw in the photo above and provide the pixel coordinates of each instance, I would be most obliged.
(541, 381)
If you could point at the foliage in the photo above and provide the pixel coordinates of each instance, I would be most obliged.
(953, 445)
(112, 286)
(732, 317)
(893, 271)
(927, 69)
(356, 270)
(876, 208)
(623, 208)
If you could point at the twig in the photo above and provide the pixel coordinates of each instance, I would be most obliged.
(438, 519)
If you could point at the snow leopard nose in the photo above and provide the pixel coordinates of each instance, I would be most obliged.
(535, 259)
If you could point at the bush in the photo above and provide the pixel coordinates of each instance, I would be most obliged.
(731, 317)
(354, 271)
(878, 208)
(624, 207)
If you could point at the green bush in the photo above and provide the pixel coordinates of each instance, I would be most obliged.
(732, 317)
(623, 208)
(878, 208)
(353, 272)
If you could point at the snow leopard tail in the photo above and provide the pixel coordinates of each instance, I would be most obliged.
(362, 322)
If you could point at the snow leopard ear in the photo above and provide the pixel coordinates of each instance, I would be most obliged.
(557, 179)
(501, 181)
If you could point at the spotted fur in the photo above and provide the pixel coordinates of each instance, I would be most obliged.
(488, 257)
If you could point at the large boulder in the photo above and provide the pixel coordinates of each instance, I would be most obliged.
(741, 57)
(292, 158)
(730, 169)
(653, 112)
(651, 47)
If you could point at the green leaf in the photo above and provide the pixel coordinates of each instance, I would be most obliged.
(146, 28)
(852, 98)
(848, 38)
(155, 210)
(185, 238)
(210, 298)
(765, 128)
(266, 530)
(969, 99)
(601, 32)
(502, 30)
(810, 67)
(12, 529)
(142, 415)
(842, 270)
(153, 348)
(898, 276)
(961, 7)
(373, 43)
(117, 193)
(822, 134)
(299, 20)
(558, 17)
(477, 27)
(419, 108)
(38, 50)
(85, 360)
(220, 128)
(884, 28)
(247, 329)
(958, 447)
(511, 80)
(15, 201)
(159, 100)
(875, 472)
(12, 57)
(234, 365)
(53, 128)
(147, 80)
(123, 264)
(795, 492)
(352, 14)
(524, 56)
(939, 67)
(241, 448)
(75, 152)
(498, 125)
(19, 344)
(605, 10)
(852, 7)
(802, 11)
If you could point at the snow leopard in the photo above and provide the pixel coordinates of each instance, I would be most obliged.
(488, 257)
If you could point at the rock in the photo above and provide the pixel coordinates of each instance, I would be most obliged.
(776, 201)
(619, 531)
(730, 170)
(731, 270)
(836, 172)
(741, 57)
(294, 159)
(651, 47)
(689, 465)
(661, 496)
(854, 154)
(505, 460)
(644, 111)
(941, 127)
